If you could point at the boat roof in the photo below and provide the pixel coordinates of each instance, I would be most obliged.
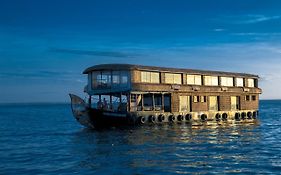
(103, 67)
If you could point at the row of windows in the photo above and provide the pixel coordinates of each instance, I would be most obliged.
(201, 99)
(213, 102)
(171, 78)
(107, 79)
(250, 98)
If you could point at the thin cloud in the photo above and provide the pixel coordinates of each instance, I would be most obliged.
(247, 19)
(94, 53)
(44, 74)
(258, 18)
(219, 30)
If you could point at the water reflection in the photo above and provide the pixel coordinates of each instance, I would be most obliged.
(177, 148)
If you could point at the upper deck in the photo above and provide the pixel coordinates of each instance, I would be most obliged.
(113, 78)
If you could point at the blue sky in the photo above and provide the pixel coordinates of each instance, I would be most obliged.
(45, 45)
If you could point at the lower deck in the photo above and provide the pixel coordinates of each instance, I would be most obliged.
(176, 102)
(103, 114)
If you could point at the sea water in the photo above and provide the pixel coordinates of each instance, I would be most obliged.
(46, 139)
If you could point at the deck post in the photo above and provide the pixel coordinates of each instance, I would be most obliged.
(162, 102)
(153, 102)
(129, 102)
(142, 102)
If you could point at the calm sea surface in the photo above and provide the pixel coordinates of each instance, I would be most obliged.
(45, 139)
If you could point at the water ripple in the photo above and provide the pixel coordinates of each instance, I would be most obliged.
(45, 139)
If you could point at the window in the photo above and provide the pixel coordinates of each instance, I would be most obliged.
(254, 98)
(226, 81)
(203, 99)
(194, 79)
(256, 82)
(251, 82)
(106, 79)
(213, 103)
(157, 102)
(247, 98)
(94, 79)
(196, 99)
(235, 103)
(147, 102)
(115, 77)
(211, 80)
(101, 79)
(173, 78)
(239, 82)
(150, 77)
(184, 103)
(124, 78)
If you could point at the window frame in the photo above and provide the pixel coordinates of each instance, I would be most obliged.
(226, 81)
(236, 82)
(212, 80)
(173, 77)
(194, 82)
(147, 77)
(250, 82)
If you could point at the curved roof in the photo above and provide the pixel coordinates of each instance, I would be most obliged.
(101, 67)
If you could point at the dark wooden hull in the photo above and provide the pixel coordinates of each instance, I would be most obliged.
(104, 119)
(99, 118)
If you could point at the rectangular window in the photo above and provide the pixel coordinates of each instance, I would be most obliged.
(145, 77)
(101, 79)
(226, 81)
(251, 82)
(247, 98)
(196, 99)
(254, 98)
(234, 103)
(256, 83)
(155, 77)
(173, 78)
(203, 99)
(115, 78)
(158, 102)
(147, 102)
(106, 79)
(239, 82)
(150, 77)
(184, 103)
(194, 79)
(211, 81)
(124, 78)
(95, 79)
(213, 103)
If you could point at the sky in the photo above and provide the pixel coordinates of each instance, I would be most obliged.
(45, 45)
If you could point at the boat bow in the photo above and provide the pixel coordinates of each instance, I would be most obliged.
(80, 110)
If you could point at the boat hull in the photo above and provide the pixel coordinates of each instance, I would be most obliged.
(100, 118)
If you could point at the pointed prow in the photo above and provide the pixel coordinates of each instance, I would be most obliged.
(80, 110)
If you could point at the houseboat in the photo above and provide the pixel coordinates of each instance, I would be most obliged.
(124, 94)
